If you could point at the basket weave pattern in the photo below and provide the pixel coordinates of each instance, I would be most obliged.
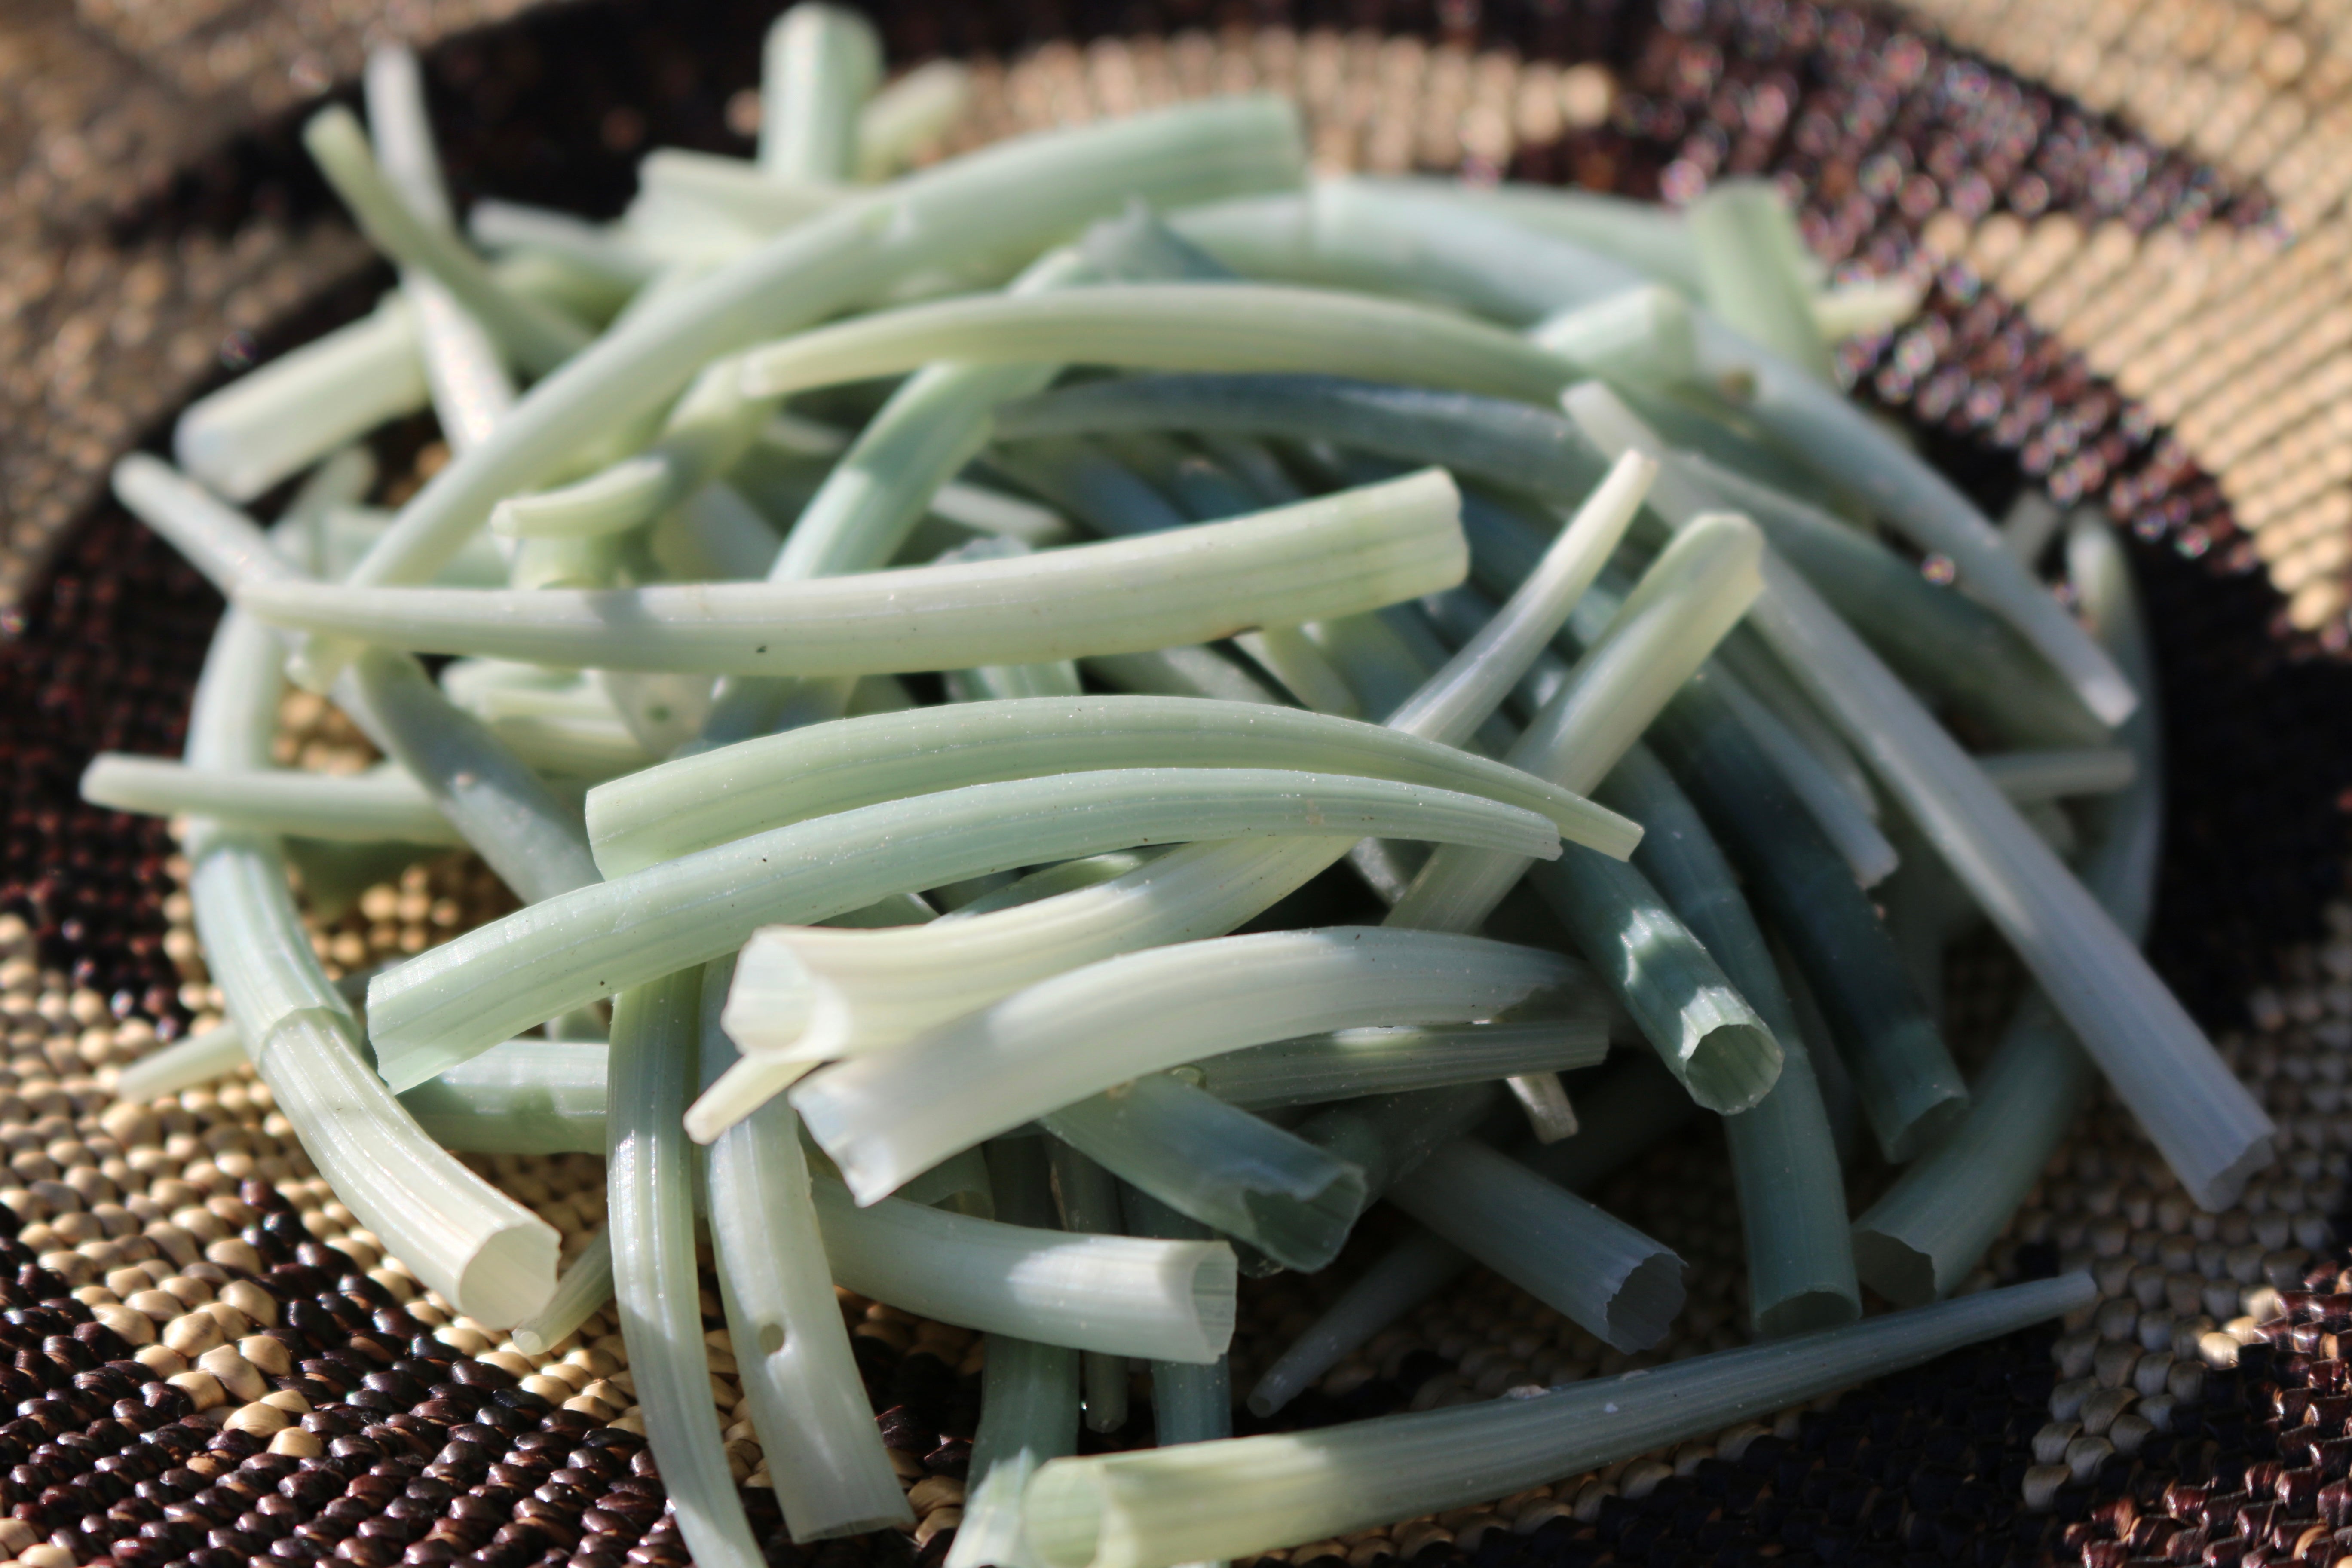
(207, 1199)
(2238, 341)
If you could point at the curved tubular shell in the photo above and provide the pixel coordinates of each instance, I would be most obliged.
(580, 1291)
(1807, 753)
(872, 497)
(1389, 1135)
(883, 989)
(1641, 336)
(1087, 1197)
(1474, 437)
(1784, 1157)
(2059, 773)
(199, 1058)
(1836, 810)
(280, 418)
(525, 1097)
(819, 66)
(1235, 1173)
(538, 337)
(706, 432)
(1157, 1507)
(919, 440)
(650, 1188)
(1823, 427)
(1410, 1273)
(1351, 1063)
(833, 1475)
(484, 790)
(1189, 1404)
(1335, 555)
(216, 539)
(1944, 644)
(1389, 239)
(1355, 234)
(1690, 597)
(487, 1253)
(1452, 703)
(1577, 1259)
(1171, 326)
(1170, 1300)
(1755, 271)
(1029, 1392)
(531, 837)
(982, 214)
(2211, 1130)
(1029, 1413)
(1921, 1239)
(611, 501)
(1800, 1266)
(1651, 238)
(1702, 1029)
(884, 1118)
(1632, 1109)
(453, 1001)
(1206, 891)
(1910, 1088)
(1684, 604)
(693, 803)
(918, 108)
(1924, 1235)
(908, 454)
(367, 809)
(467, 371)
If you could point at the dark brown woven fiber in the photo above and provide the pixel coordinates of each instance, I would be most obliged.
(163, 231)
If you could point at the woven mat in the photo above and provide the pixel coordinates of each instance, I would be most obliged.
(213, 1363)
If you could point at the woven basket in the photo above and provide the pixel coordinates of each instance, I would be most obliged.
(2113, 322)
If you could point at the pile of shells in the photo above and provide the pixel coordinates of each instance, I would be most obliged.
(213, 1364)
